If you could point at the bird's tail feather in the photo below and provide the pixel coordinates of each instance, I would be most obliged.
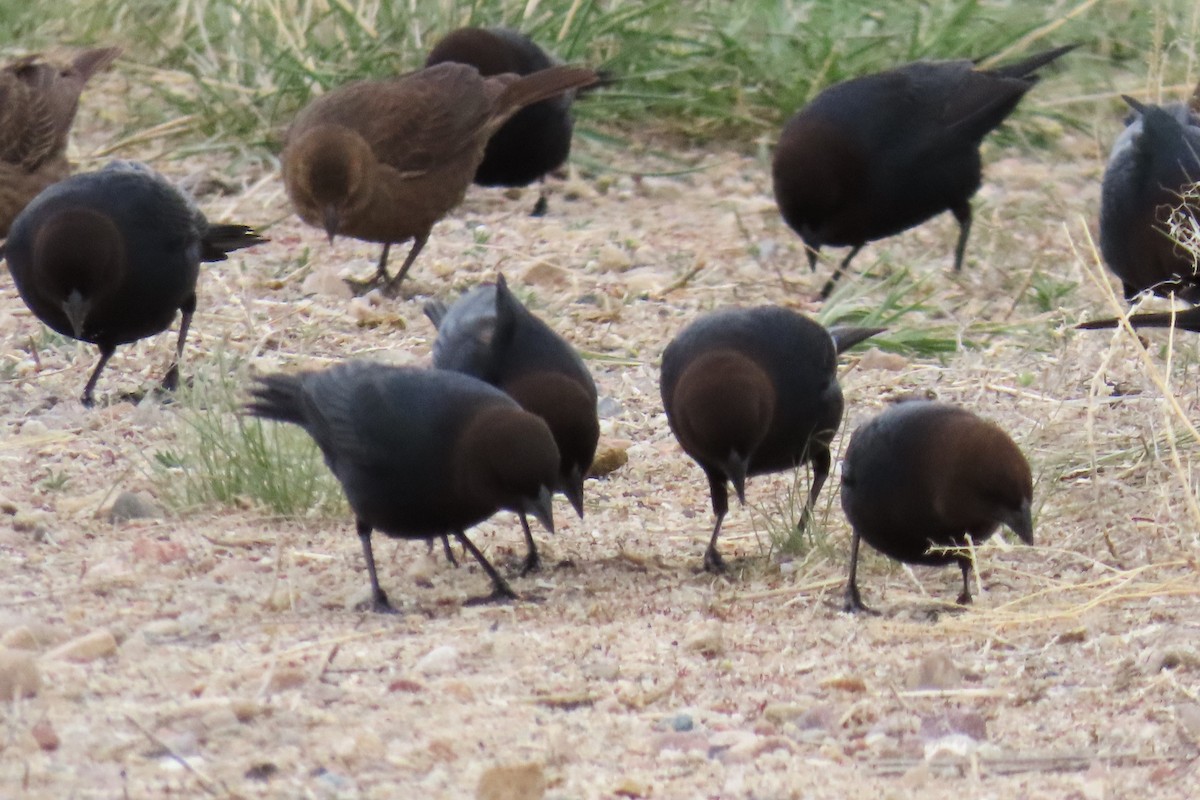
(436, 311)
(220, 240)
(540, 85)
(846, 336)
(278, 397)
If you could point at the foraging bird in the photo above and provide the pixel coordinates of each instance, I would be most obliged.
(924, 475)
(383, 160)
(418, 452)
(537, 139)
(490, 335)
(108, 257)
(38, 101)
(752, 391)
(876, 155)
(1154, 162)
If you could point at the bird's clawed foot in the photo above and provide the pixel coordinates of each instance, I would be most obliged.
(378, 604)
(540, 207)
(852, 603)
(359, 288)
(532, 563)
(713, 562)
(503, 593)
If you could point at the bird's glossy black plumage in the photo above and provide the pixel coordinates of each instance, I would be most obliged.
(109, 257)
(876, 155)
(1153, 163)
(419, 453)
(490, 335)
(753, 391)
(923, 475)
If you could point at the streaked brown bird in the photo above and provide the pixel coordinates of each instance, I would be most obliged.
(537, 140)
(753, 391)
(876, 155)
(923, 476)
(383, 160)
(108, 257)
(490, 335)
(419, 452)
(38, 101)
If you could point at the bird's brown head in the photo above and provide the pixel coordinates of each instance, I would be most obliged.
(329, 172)
(989, 480)
(80, 256)
(506, 457)
(569, 410)
(720, 410)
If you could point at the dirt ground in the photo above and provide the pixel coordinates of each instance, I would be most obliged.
(218, 652)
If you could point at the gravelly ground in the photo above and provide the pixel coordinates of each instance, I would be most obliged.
(625, 671)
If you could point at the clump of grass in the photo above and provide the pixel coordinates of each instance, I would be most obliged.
(223, 457)
(237, 70)
(780, 515)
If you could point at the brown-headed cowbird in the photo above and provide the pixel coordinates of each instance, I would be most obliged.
(924, 475)
(419, 452)
(38, 101)
(537, 140)
(752, 391)
(1153, 164)
(490, 335)
(876, 155)
(383, 160)
(108, 257)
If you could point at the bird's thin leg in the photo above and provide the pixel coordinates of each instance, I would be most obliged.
(852, 603)
(533, 561)
(964, 599)
(827, 289)
(720, 502)
(170, 381)
(446, 549)
(813, 253)
(381, 268)
(379, 600)
(543, 203)
(89, 399)
(500, 588)
(963, 215)
(393, 285)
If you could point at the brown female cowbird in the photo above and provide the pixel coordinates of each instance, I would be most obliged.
(1153, 164)
(383, 160)
(108, 257)
(490, 335)
(752, 391)
(38, 101)
(537, 140)
(419, 452)
(924, 475)
(873, 156)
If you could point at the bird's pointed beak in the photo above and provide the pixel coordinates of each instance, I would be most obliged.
(541, 508)
(572, 487)
(76, 309)
(333, 221)
(736, 467)
(1021, 522)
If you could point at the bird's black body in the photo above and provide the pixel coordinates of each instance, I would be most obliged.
(876, 155)
(924, 475)
(490, 335)
(1154, 161)
(120, 249)
(753, 391)
(419, 453)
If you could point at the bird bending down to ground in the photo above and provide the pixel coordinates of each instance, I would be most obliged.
(752, 391)
(108, 257)
(490, 335)
(1154, 164)
(876, 155)
(383, 160)
(537, 140)
(922, 476)
(419, 452)
(38, 101)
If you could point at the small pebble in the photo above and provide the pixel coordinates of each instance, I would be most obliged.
(437, 661)
(708, 640)
(89, 647)
(512, 782)
(133, 505)
(19, 675)
(44, 734)
(935, 671)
